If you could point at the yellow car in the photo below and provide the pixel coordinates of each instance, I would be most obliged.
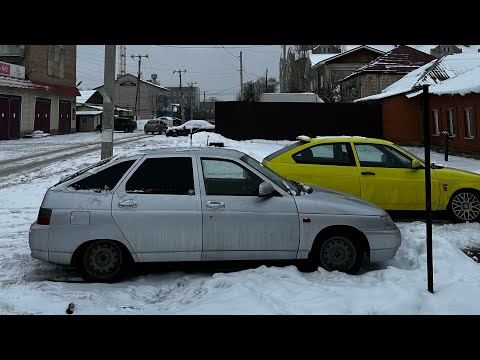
(378, 171)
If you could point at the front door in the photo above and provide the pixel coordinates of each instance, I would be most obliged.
(388, 180)
(4, 118)
(65, 109)
(237, 223)
(42, 115)
(14, 125)
(158, 210)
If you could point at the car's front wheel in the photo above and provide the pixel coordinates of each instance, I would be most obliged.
(103, 261)
(339, 251)
(464, 206)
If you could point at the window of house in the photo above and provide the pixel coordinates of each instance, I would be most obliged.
(56, 60)
(436, 122)
(468, 122)
(451, 121)
(339, 154)
(224, 177)
(84, 120)
(167, 176)
(105, 179)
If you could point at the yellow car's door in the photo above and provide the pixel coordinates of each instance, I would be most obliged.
(388, 180)
(328, 165)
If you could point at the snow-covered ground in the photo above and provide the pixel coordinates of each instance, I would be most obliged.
(398, 286)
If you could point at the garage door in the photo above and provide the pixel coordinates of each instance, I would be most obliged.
(10, 117)
(64, 122)
(42, 115)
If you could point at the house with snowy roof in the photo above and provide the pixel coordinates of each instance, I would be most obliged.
(151, 98)
(454, 102)
(37, 89)
(386, 69)
(327, 64)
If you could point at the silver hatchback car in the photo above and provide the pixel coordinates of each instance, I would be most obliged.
(202, 204)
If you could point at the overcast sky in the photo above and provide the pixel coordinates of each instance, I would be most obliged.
(215, 68)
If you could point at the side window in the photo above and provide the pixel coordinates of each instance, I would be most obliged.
(339, 154)
(378, 155)
(223, 177)
(172, 176)
(105, 179)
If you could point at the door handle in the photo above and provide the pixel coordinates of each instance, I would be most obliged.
(128, 203)
(367, 173)
(215, 205)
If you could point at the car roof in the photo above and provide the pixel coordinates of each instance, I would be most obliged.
(322, 139)
(200, 150)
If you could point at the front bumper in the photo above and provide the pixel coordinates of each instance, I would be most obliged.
(383, 244)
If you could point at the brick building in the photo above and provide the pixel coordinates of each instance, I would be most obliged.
(454, 102)
(37, 89)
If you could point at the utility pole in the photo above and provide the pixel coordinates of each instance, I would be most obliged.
(284, 70)
(241, 77)
(204, 96)
(266, 80)
(191, 98)
(108, 96)
(181, 93)
(137, 95)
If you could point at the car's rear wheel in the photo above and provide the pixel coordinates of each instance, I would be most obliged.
(464, 206)
(340, 251)
(103, 261)
(126, 129)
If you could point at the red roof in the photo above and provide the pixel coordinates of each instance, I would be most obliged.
(38, 86)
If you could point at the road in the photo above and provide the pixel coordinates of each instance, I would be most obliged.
(38, 160)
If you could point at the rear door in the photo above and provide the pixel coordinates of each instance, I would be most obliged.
(157, 207)
(327, 165)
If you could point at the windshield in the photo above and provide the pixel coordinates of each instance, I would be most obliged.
(433, 165)
(285, 184)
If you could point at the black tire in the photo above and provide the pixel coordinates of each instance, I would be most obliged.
(103, 261)
(464, 206)
(126, 129)
(340, 251)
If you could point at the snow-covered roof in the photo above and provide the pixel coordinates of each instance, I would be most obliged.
(85, 95)
(86, 112)
(400, 60)
(317, 59)
(435, 73)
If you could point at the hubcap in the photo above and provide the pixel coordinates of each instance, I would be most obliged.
(338, 253)
(103, 259)
(466, 206)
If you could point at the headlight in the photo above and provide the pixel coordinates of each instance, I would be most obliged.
(389, 224)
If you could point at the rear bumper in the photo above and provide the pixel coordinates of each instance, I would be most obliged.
(38, 241)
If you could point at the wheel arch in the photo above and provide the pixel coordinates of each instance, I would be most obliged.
(465, 189)
(79, 251)
(335, 229)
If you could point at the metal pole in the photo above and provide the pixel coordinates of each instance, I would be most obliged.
(428, 186)
(241, 77)
(109, 86)
(266, 80)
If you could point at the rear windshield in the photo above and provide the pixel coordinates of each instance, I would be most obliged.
(284, 150)
(154, 121)
(78, 173)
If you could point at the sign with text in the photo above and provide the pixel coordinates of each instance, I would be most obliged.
(12, 70)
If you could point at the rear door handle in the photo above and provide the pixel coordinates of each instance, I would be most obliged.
(128, 203)
(215, 205)
(367, 173)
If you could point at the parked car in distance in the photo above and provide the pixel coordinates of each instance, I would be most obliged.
(134, 209)
(155, 126)
(191, 126)
(171, 121)
(124, 124)
(380, 172)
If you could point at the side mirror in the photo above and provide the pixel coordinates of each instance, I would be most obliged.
(416, 164)
(265, 189)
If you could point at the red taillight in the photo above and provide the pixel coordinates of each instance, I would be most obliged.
(44, 216)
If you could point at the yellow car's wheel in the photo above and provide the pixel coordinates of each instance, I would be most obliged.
(464, 206)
